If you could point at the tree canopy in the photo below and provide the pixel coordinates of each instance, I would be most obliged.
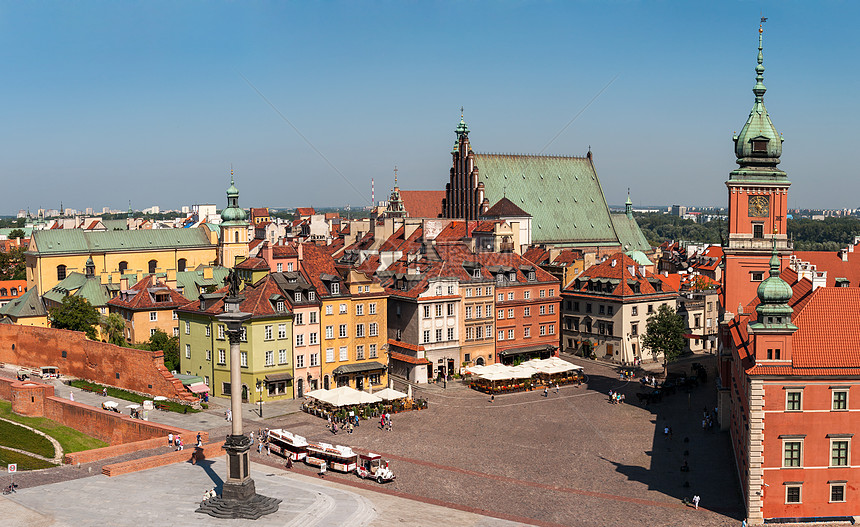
(16, 233)
(664, 333)
(113, 326)
(77, 314)
(12, 265)
(169, 345)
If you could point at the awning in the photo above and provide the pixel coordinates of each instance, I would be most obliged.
(278, 377)
(198, 387)
(358, 367)
(188, 380)
(691, 336)
(527, 349)
(409, 359)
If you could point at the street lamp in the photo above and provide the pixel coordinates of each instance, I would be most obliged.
(260, 391)
(239, 498)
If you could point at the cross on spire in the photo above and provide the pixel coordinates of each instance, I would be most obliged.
(395, 175)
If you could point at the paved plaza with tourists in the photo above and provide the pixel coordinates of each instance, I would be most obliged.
(571, 458)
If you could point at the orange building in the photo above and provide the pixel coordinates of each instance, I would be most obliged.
(147, 307)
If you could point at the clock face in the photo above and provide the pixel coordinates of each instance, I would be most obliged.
(759, 207)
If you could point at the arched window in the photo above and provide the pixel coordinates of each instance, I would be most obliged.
(180, 265)
(3, 291)
(326, 382)
(153, 264)
(300, 387)
(236, 236)
(61, 272)
(123, 265)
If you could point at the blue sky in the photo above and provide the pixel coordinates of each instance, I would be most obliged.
(105, 102)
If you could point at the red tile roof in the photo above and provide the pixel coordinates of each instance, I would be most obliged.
(317, 261)
(832, 263)
(505, 207)
(18, 286)
(617, 267)
(142, 296)
(253, 264)
(305, 211)
(538, 255)
(257, 300)
(402, 357)
(568, 256)
(423, 203)
(455, 231)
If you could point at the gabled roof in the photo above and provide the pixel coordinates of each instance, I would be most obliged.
(144, 294)
(832, 263)
(538, 255)
(77, 284)
(253, 264)
(568, 256)
(618, 274)
(562, 194)
(315, 264)
(257, 300)
(305, 211)
(193, 283)
(423, 203)
(27, 305)
(505, 208)
(629, 234)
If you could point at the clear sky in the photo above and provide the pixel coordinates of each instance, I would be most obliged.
(105, 102)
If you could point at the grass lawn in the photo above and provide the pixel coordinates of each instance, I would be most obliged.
(24, 461)
(19, 437)
(133, 397)
(70, 439)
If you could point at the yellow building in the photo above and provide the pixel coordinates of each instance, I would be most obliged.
(234, 230)
(353, 322)
(54, 254)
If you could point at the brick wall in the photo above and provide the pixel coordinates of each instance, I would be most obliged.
(207, 452)
(108, 452)
(127, 368)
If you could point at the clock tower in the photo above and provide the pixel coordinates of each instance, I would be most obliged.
(758, 200)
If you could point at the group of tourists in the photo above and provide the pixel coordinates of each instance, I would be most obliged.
(616, 397)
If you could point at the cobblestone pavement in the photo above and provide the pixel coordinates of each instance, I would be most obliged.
(568, 459)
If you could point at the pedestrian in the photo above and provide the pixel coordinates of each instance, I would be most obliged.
(744, 523)
(259, 448)
(492, 397)
(334, 428)
(170, 439)
(251, 435)
(556, 388)
(329, 422)
(104, 392)
(382, 422)
(611, 397)
(322, 469)
(696, 499)
(545, 391)
(268, 449)
(389, 423)
(704, 424)
(623, 397)
(72, 396)
(666, 432)
(199, 439)
(349, 428)
(289, 461)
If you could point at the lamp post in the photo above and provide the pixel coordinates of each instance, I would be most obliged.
(260, 391)
(239, 498)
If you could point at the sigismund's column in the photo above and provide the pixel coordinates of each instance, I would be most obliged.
(239, 498)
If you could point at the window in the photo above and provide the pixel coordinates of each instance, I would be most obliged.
(634, 310)
(510, 334)
(268, 332)
(792, 494)
(153, 316)
(793, 401)
(372, 351)
(527, 332)
(315, 359)
(282, 331)
(329, 355)
(552, 309)
(542, 310)
(501, 335)
(313, 317)
(359, 330)
(328, 309)
(187, 327)
(222, 357)
(650, 308)
(208, 331)
(300, 318)
(758, 230)
(426, 311)
(175, 332)
(290, 267)
(342, 331)
(225, 388)
(510, 296)
(634, 330)
(313, 338)
(837, 492)
(344, 353)
(426, 335)
(552, 329)
(542, 293)
(438, 310)
(588, 308)
(450, 289)
(542, 331)
(221, 331)
(501, 297)
(374, 378)
(371, 308)
(450, 310)
(152, 331)
(297, 297)
(279, 267)
(122, 267)
(374, 329)
(488, 331)
(469, 292)
(527, 311)
(243, 359)
(501, 314)
(342, 310)
(468, 312)
(300, 359)
(756, 277)
(206, 380)
(270, 358)
(359, 353)
(335, 288)
(300, 340)
(527, 294)
(839, 452)
(450, 333)
(479, 332)
(791, 453)
(188, 351)
(840, 400)
(329, 332)
(312, 296)
(153, 264)
(359, 309)
(438, 335)
(243, 334)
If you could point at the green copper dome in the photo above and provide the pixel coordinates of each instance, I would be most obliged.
(233, 213)
(758, 143)
(774, 294)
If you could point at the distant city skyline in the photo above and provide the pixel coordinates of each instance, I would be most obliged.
(155, 101)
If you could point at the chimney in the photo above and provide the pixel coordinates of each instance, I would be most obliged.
(104, 278)
(207, 272)
(123, 284)
(170, 279)
(300, 251)
(114, 277)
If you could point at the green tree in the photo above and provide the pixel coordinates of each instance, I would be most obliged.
(113, 326)
(76, 313)
(16, 233)
(664, 333)
(159, 341)
(12, 264)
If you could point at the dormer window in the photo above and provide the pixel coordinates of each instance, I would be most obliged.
(280, 306)
(297, 297)
(531, 276)
(312, 295)
(759, 145)
(512, 277)
(335, 288)
(476, 273)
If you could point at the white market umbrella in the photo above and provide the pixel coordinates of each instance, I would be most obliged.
(389, 395)
(133, 406)
(110, 404)
(159, 398)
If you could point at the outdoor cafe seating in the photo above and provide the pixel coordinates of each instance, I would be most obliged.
(529, 375)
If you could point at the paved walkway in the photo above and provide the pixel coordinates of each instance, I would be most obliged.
(169, 496)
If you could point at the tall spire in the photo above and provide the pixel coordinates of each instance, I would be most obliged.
(628, 205)
(759, 88)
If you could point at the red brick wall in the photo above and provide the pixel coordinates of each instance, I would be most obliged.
(137, 370)
(28, 398)
(108, 452)
(209, 451)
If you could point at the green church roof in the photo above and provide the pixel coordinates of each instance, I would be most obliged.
(27, 305)
(76, 241)
(77, 284)
(562, 194)
(629, 234)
